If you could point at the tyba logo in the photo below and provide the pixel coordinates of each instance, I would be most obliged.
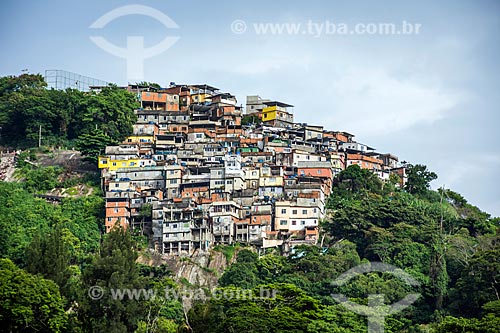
(135, 53)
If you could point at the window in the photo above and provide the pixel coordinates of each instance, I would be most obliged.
(315, 210)
(294, 222)
(294, 212)
(173, 181)
(283, 211)
(303, 222)
(117, 185)
(283, 222)
(174, 226)
(304, 211)
(319, 172)
(116, 210)
(109, 219)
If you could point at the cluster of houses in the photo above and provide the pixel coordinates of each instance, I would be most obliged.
(200, 170)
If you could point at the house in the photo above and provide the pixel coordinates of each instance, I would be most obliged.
(173, 180)
(276, 114)
(365, 162)
(223, 215)
(294, 217)
(207, 179)
(255, 104)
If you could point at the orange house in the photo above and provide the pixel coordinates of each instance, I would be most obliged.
(159, 101)
(365, 162)
(117, 211)
(318, 172)
(195, 191)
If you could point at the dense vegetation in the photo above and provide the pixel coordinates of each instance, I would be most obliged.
(54, 257)
(54, 253)
(68, 118)
(449, 246)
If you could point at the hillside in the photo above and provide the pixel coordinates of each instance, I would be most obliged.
(67, 267)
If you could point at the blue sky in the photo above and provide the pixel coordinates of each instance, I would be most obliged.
(430, 98)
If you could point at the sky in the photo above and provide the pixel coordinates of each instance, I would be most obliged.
(430, 97)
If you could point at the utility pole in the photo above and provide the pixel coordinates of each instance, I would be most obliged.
(40, 136)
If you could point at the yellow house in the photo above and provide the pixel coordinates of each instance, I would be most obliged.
(269, 113)
(200, 97)
(113, 165)
(140, 139)
(275, 110)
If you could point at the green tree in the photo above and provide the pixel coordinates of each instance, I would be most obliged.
(479, 283)
(354, 179)
(113, 268)
(419, 178)
(111, 112)
(29, 303)
(49, 255)
(243, 273)
(250, 119)
(91, 145)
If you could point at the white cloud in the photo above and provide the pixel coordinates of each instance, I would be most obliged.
(373, 102)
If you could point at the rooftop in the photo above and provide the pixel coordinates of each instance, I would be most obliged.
(277, 103)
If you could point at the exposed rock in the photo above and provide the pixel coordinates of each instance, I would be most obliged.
(195, 273)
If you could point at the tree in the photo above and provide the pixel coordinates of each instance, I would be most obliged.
(419, 178)
(23, 217)
(250, 119)
(29, 303)
(354, 179)
(26, 107)
(111, 112)
(41, 178)
(479, 283)
(92, 145)
(286, 308)
(113, 268)
(243, 273)
(149, 84)
(49, 255)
